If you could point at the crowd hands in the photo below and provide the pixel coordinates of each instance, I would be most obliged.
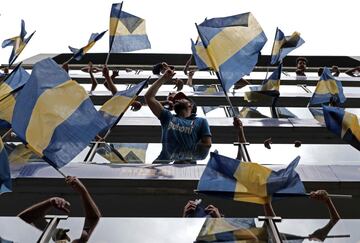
(35, 214)
(194, 209)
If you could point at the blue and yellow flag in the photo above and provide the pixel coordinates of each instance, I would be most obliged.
(127, 31)
(231, 230)
(318, 114)
(343, 124)
(114, 108)
(328, 90)
(13, 82)
(8, 93)
(5, 178)
(233, 45)
(283, 45)
(248, 182)
(20, 154)
(18, 43)
(79, 53)
(54, 114)
(269, 88)
(251, 112)
(201, 57)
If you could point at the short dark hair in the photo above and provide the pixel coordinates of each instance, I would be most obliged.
(157, 68)
(301, 59)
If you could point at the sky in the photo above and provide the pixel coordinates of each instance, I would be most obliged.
(328, 27)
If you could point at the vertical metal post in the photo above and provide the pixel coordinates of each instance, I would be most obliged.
(51, 226)
(270, 223)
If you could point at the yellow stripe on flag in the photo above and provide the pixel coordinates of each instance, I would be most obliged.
(5, 90)
(327, 86)
(232, 39)
(41, 126)
(251, 179)
(350, 121)
(7, 108)
(116, 105)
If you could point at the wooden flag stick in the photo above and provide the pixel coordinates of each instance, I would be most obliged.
(6, 134)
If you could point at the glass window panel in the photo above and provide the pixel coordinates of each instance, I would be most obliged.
(13, 229)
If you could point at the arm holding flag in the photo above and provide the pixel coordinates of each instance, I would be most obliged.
(154, 105)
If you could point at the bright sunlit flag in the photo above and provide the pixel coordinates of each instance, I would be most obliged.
(54, 114)
(18, 43)
(269, 88)
(79, 53)
(127, 31)
(5, 178)
(233, 45)
(119, 103)
(248, 182)
(328, 90)
(283, 45)
(343, 124)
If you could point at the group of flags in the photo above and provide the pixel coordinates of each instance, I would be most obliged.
(54, 116)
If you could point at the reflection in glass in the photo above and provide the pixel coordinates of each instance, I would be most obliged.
(123, 152)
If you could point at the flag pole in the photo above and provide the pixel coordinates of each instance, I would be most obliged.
(91, 154)
(12, 62)
(7, 133)
(216, 72)
(112, 41)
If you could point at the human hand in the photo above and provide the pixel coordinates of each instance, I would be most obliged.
(60, 203)
(75, 183)
(105, 71)
(191, 73)
(168, 75)
(189, 208)
(179, 84)
(115, 73)
(297, 143)
(213, 211)
(267, 143)
(237, 123)
(65, 66)
(6, 70)
(136, 105)
(320, 195)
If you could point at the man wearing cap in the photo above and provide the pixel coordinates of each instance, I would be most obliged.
(183, 131)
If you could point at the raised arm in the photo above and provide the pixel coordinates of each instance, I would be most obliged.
(109, 84)
(154, 105)
(351, 72)
(92, 212)
(35, 215)
(321, 234)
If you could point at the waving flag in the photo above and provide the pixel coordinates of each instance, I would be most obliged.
(119, 103)
(201, 57)
(233, 45)
(231, 230)
(283, 45)
(251, 112)
(343, 124)
(328, 90)
(318, 114)
(15, 80)
(269, 87)
(5, 178)
(248, 182)
(79, 53)
(127, 31)
(18, 43)
(8, 92)
(54, 115)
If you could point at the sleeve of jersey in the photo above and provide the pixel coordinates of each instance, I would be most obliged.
(165, 117)
(205, 129)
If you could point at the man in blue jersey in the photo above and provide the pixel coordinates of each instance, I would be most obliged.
(182, 132)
